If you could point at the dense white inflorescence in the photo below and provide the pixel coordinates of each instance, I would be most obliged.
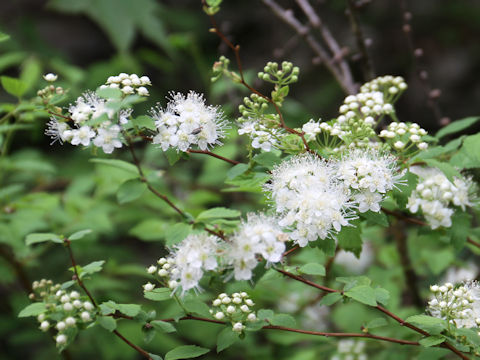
(309, 198)
(436, 196)
(236, 308)
(188, 121)
(261, 236)
(460, 306)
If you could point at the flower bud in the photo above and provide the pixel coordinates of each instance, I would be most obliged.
(61, 339)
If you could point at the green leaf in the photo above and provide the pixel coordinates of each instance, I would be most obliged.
(163, 326)
(79, 234)
(42, 237)
(267, 159)
(4, 37)
(313, 269)
(149, 230)
(442, 259)
(31, 72)
(33, 310)
(265, 314)
(457, 126)
(376, 323)
(469, 155)
(110, 93)
(92, 268)
(155, 357)
(432, 325)
(186, 352)
(177, 233)
(375, 218)
(119, 164)
(13, 86)
(237, 170)
(217, 212)
(331, 299)
(449, 171)
(130, 190)
(172, 156)
(349, 238)
(460, 229)
(432, 340)
(129, 309)
(107, 322)
(226, 338)
(158, 294)
(364, 294)
(283, 320)
(328, 246)
(382, 295)
(197, 307)
(144, 121)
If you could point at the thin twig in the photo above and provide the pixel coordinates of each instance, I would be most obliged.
(129, 343)
(206, 152)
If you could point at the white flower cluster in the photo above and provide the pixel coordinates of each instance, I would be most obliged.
(69, 309)
(259, 235)
(402, 135)
(94, 122)
(350, 350)
(312, 128)
(128, 84)
(188, 121)
(388, 84)
(235, 308)
(187, 263)
(369, 176)
(460, 306)
(435, 196)
(262, 137)
(309, 198)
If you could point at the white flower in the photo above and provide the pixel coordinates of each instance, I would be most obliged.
(311, 129)
(82, 136)
(188, 121)
(108, 139)
(309, 199)
(50, 77)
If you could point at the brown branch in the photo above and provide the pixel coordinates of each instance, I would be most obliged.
(367, 67)
(378, 307)
(288, 18)
(206, 152)
(129, 343)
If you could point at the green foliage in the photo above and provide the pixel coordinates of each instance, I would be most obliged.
(186, 352)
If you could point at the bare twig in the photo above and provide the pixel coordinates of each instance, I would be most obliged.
(288, 18)
(367, 66)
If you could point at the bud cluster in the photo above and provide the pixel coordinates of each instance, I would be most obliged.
(350, 350)
(459, 306)
(235, 308)
(49, 91)
(285, 75)
(402, 136)
(435, 196)
(65, 310)
(163, 273)
(128, 84)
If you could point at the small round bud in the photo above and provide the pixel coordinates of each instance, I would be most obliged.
(148, 287)
(41, 317)
(87, 305)
(433, 288)
(44, 326)
(249, 302)
(237, 300)
(172, 284)
(50, 77)
(245, 308)
(231, 309)
(142, 91)
(85, 316)
(61, 339)
(162, 272)
(251, 317)
(61, 325)
(226, 300)
(217, 302)
(219, 315)
(151, 269)
(238, 327)
(67, 307)
(70, 321)
(74, 295)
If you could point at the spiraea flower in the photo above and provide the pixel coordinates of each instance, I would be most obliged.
(436, 196)
(369, 175)
(129, 84)
(458, 305)
(188, 121)
(261, 236)
(262, 137)
(235, 308)
(403, 136)
(309, 199)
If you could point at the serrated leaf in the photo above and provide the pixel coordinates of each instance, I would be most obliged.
(119, 164)
(237, 170)
(107, 322)
(432, 340)
(129, 309)
(92, 268)
(432, 325)
(376, 323)
(226, 338)
(163, 326)
(33, 310)
(375, 218)
(13, 86)
(468, 157)
(217, 212)
(79, 234)
(130, 190)
(283, 320)
(313, 269)
(42, 237)
(331, 299)
(267, 159)
(172, 156)
(158, 294)
(382, 295)
(456, 126)
(186, 352)
(265, 314)
(364, 294)
(177, 233)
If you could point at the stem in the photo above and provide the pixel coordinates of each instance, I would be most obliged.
(206, 152)
(84, 288)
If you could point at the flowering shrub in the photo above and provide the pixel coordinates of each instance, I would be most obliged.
(312, 208)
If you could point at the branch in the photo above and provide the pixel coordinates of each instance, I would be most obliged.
(378, 307)
(288, 18)
(206, 152)
(84, 288)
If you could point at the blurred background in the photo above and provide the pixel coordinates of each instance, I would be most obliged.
(53, 189)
